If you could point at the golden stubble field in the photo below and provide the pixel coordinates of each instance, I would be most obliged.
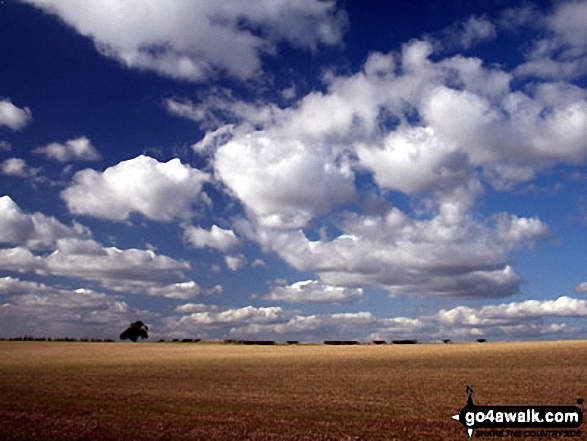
(94, 391)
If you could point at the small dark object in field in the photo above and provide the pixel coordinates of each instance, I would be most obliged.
(175, 340)
(481, 340)
(378, 342)
(447, 340)
(256, 342)
(580, 401)
(405, 342)
(341, 342)
(187, 340)
(162, 340)
(136, 330)
(292, 342)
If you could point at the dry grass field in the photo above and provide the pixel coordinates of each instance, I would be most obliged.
(95, 391)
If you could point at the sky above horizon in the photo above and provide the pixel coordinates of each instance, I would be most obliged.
(294, 170)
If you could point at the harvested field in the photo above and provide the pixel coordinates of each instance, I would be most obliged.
(61, 391)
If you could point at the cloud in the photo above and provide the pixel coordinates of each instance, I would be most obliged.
(401, 117)
(313, 291)
(343, 326)
(258, 263)
(32, 308)
(273, 323)
(181, 290)
(130, 270)
(538, 129)
(283, 182)
(14, 117)
(399, 125)
(18, 167)
(441, 256)
(5, 146)
(33, 231)
(216, 237)
(213, 139)
(562, 307)
(89, 260)
(195, 40)
(520, 319)
(159, 191)
(530, 318)
(210, 321)
(467, 34)
(234, 263)
(561, 53)
(218, 108)
(413, 161)
(78, 149)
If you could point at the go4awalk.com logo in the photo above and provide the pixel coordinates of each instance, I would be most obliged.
(520, 421)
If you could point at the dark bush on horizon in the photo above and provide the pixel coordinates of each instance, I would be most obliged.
(250, 342)
(258, 342)
(405, 342)
(379, 342)
(341, 342)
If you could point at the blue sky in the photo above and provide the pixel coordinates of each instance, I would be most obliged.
(303, 170)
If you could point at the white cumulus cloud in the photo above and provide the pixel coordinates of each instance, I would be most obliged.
(12, 116)
(283, 182)
(314, 291)
(124, 270)
(33, 230)
(78, 149)
(437, 130)
(159, 191)
(442, 256)
(194, 40)
(561, 53)
(530, 318)
(235, 263)
(181, 290)
(18, 167)
(518, 319)
(33, 308)
(216, 237)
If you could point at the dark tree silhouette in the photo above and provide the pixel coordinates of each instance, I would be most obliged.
(134, 331)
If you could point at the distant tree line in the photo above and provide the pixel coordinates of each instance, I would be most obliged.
(227, 341)
(69, 339)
